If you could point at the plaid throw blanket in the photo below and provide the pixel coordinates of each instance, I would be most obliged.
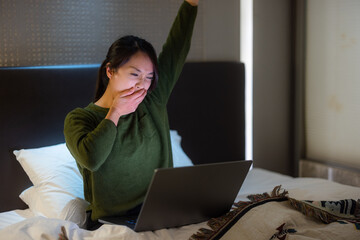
(343, 212)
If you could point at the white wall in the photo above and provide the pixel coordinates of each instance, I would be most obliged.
(332, 81)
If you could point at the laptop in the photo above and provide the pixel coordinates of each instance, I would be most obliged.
(187, 195)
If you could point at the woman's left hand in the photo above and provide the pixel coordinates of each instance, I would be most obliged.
(193, 2)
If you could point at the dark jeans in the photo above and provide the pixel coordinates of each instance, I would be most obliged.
(90, 224)
(93, 225)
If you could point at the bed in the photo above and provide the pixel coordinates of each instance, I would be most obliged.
(41, 190)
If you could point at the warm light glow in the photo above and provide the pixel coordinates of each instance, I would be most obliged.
(246, 56)
(55, 66)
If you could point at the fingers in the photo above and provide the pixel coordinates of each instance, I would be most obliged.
(136, 96)
(132, 94)
(128, 100)
(126, 92)
(193, 2)
(140, 94)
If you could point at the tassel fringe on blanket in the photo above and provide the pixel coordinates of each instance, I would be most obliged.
(222, 224)
(325, 211)
(62, 235)
(329, 211)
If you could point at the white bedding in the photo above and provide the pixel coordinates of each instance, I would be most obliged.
(260, 180)
(22, 224)
(12, 217)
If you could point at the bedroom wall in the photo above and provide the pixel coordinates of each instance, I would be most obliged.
(272, 83)
(332, 96)
(80, 32)
(332, 91)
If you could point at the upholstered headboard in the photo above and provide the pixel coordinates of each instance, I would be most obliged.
(206, 107)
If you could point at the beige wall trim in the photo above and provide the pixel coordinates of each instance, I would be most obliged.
(330, 171)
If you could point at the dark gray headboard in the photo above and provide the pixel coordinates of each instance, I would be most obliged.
(208, 110)
(206, 107)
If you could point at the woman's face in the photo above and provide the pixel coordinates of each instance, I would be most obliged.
(137, 72)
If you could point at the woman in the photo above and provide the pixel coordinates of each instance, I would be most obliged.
(123, 136)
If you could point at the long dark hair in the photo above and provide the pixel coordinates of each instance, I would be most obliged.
(120, 53)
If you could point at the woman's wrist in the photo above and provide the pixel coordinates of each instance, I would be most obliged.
(113, 116)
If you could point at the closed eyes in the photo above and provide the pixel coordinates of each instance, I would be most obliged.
(139, 71)
(148, 77)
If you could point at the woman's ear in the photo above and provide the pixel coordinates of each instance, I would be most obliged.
(109, 71)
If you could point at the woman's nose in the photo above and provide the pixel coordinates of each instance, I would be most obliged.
(139, 84)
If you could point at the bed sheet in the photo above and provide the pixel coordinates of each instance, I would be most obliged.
(261, 180)
(15, 216)
(257, 181)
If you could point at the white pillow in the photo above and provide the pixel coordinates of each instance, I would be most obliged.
(58, 185)
(57, 182)
(179, 157)
(52, 164)
(52, 202)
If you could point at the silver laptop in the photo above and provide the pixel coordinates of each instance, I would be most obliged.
(187, 195)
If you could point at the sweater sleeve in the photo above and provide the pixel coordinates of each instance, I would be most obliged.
(173, 55)
(90, 144)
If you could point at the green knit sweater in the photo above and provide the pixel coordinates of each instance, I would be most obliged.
(117, 162)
